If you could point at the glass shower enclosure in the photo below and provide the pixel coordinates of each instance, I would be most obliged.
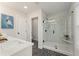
(52, 31)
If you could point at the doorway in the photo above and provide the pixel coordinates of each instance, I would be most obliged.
(35, 31)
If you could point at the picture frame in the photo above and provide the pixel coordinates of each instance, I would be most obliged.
(7, 22)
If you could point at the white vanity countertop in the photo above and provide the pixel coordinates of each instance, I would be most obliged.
(13, 45)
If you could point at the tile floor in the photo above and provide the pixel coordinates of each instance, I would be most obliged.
(43, 52)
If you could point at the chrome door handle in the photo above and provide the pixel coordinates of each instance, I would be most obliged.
(53, 31)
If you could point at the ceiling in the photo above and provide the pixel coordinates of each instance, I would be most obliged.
(20, 6)
(54, 7)
(48, 7)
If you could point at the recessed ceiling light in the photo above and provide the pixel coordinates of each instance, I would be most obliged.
(25, 7)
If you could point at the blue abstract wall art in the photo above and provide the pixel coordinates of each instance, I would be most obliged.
(7, 22)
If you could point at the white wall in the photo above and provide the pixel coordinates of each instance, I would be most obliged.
(19, 22)
(75, 8)
(36, 13)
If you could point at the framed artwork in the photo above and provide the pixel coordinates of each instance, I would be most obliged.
(7, 22)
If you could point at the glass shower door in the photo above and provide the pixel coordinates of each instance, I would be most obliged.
(49, 31)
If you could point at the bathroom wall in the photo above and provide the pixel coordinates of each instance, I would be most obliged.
(19, 22)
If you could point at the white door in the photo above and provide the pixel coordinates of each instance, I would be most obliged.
(35, 28)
